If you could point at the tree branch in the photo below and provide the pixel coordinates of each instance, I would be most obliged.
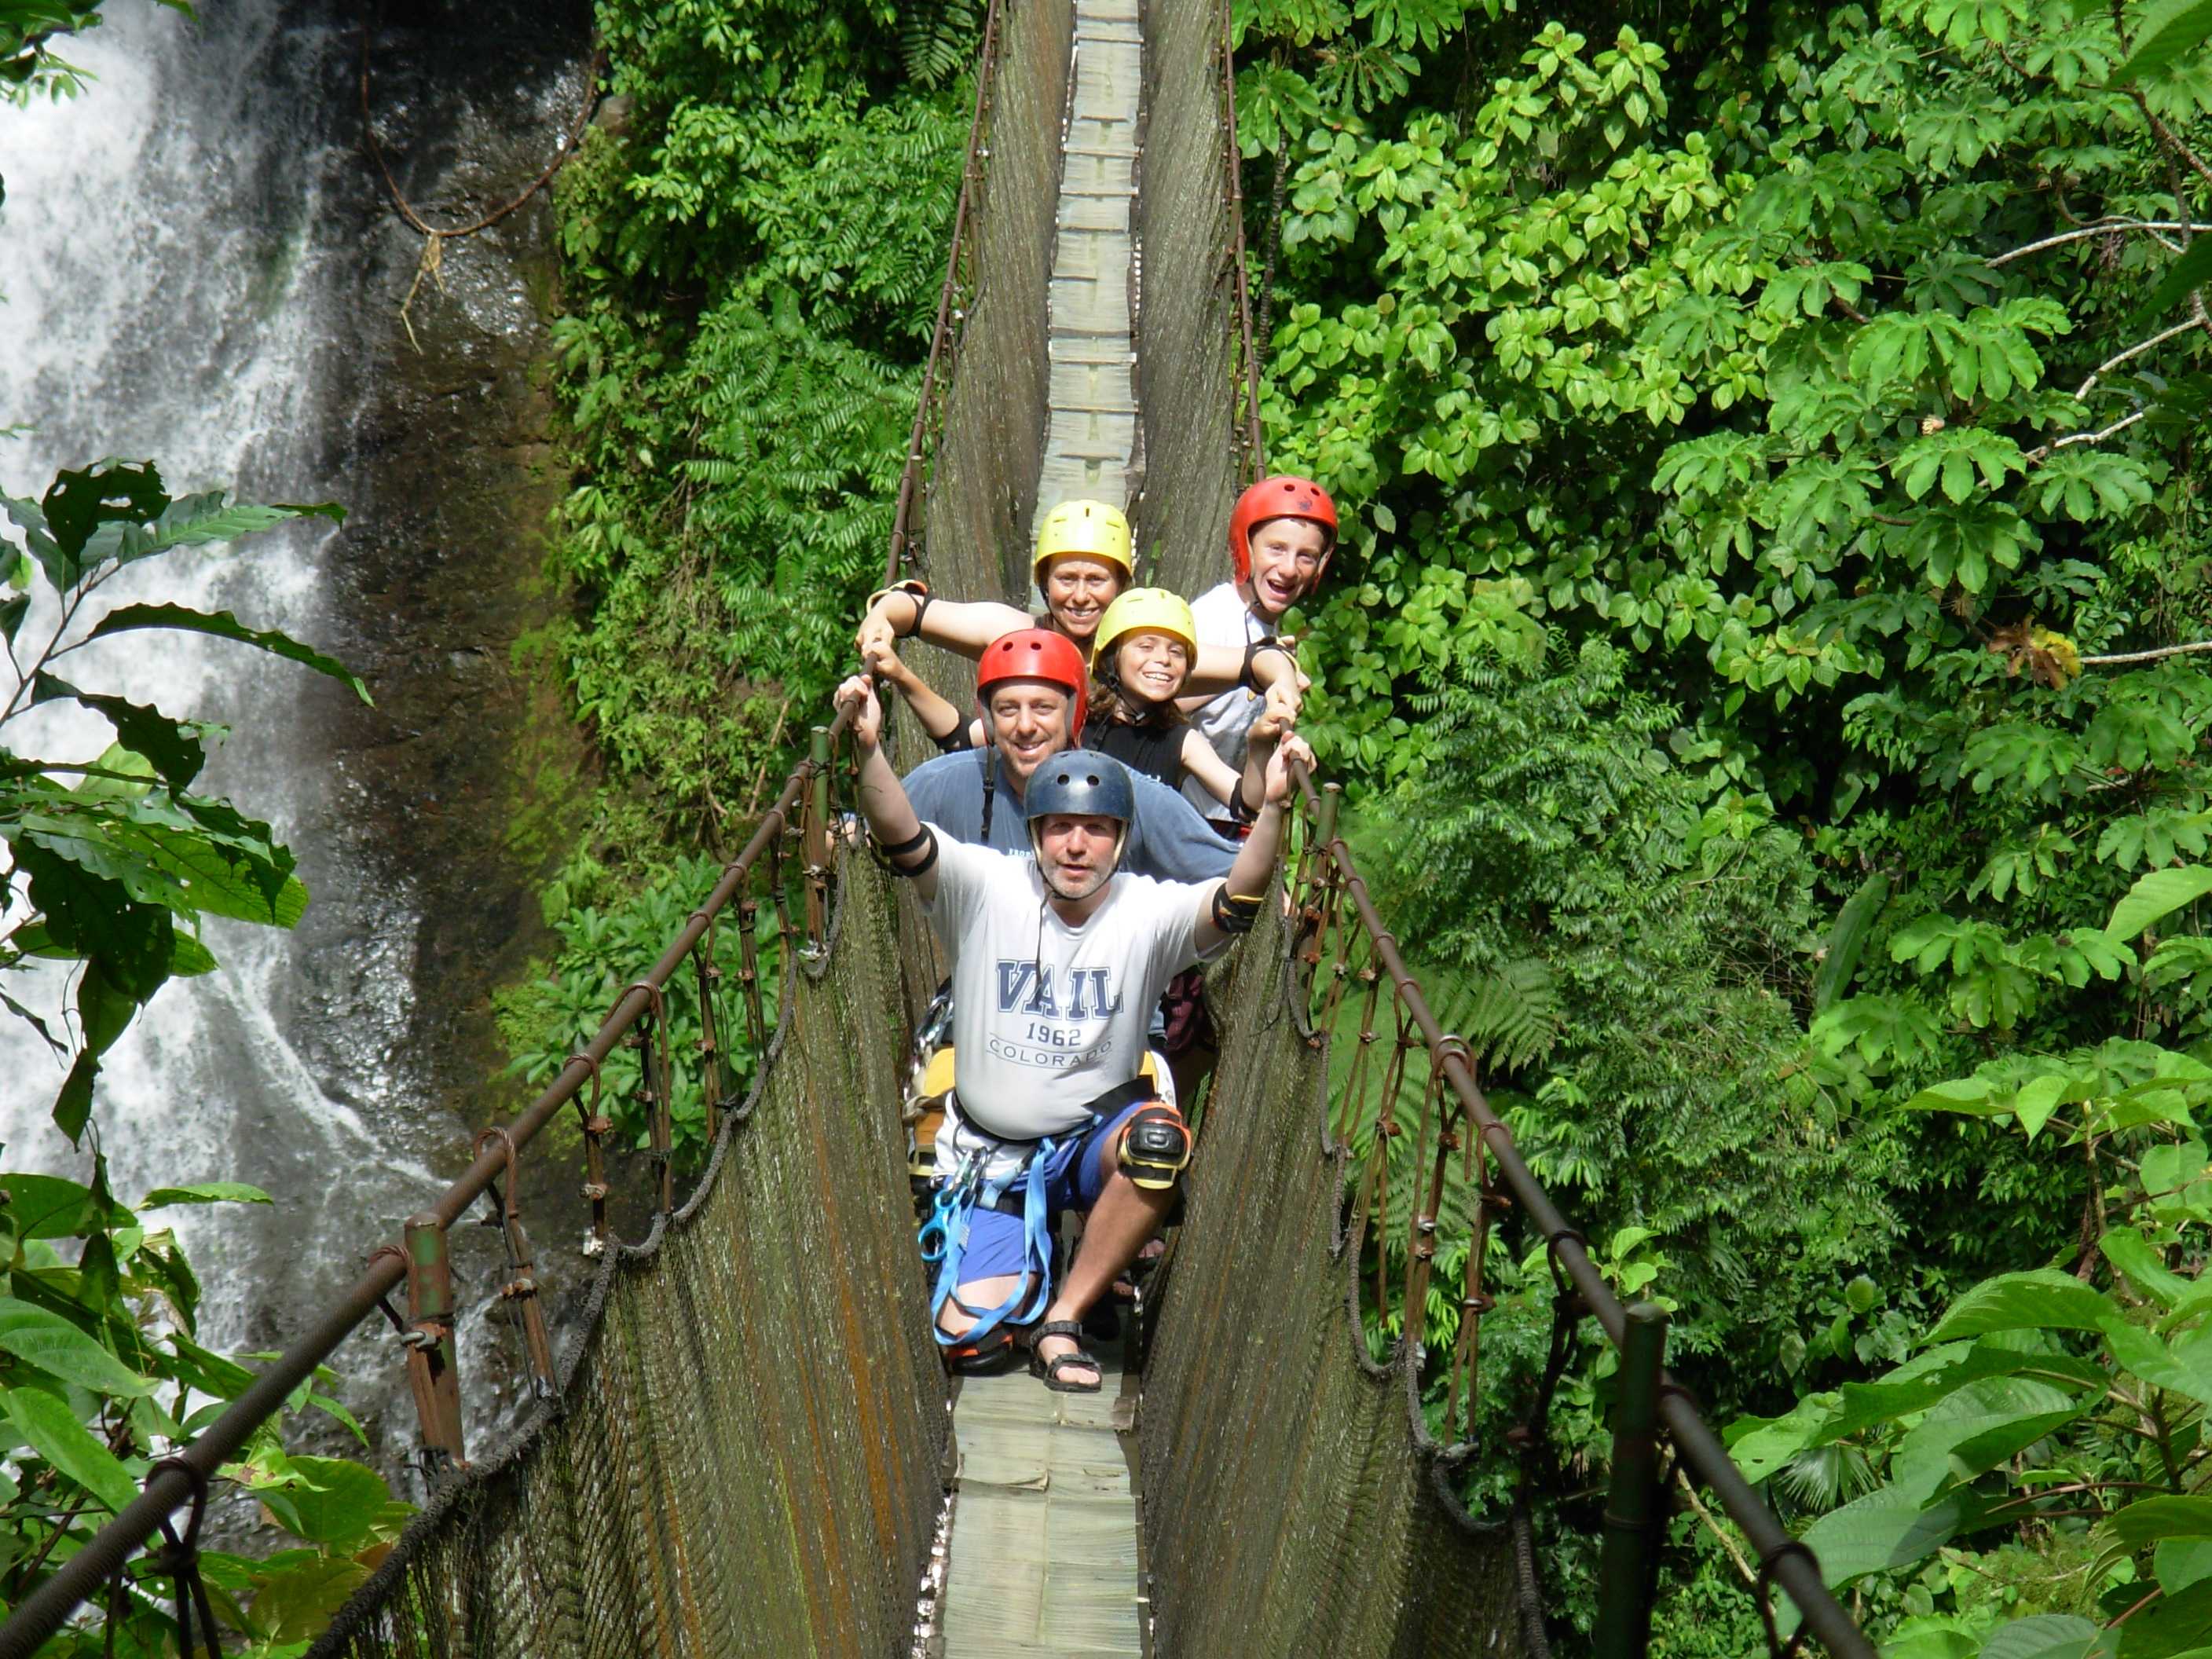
(2136, 350)
(2101, 227)
(1742, 1566)
(2120, 657)
(2045, 452)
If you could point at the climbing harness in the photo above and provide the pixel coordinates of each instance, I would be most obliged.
(1022, 1191)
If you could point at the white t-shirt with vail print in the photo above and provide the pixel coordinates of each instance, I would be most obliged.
(1047, 1017)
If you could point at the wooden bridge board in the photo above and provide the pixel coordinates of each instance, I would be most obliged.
(1044, 1527)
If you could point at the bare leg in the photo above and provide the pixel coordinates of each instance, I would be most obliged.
(981, 1294)
(1125, 1216)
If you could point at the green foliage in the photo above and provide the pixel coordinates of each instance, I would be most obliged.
(112, 864)
(101, 1373)
(552, 1018)
(754, 261)
(1826, 369)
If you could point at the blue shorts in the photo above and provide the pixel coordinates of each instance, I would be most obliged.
(1074, 1179)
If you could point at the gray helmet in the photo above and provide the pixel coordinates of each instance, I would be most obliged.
(1080, 783)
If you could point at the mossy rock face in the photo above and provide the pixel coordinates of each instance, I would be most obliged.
(461, 788)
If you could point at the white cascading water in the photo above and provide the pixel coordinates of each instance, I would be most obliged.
(172, 291)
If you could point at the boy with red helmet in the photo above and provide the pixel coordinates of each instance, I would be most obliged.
(1281, 534)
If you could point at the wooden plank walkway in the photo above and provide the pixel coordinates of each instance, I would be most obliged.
(1044, 1525)
(1091, 431)
(1043, 1553)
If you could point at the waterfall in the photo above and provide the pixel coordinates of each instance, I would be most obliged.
(198, 268)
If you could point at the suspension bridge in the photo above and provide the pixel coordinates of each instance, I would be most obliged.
(751, 1446)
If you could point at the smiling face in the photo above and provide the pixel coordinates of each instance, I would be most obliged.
(1152, 665)
(1287, 555)
(1029, 723)
(1077, 854)
(1076, 591)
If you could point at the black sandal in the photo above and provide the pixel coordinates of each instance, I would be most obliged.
(1048, 1370)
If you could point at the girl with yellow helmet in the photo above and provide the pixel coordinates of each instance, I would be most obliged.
(1082, 562)
(1145, 644)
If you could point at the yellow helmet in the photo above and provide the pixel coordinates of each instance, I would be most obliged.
(1142, 610)
(1090, 528)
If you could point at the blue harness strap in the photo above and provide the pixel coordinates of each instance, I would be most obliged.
(944, 1235)
(943, 1240)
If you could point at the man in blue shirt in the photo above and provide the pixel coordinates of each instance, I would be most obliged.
(1033, 686)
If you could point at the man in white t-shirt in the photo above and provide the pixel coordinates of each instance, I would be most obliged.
(1057, 963)
(1281, 536)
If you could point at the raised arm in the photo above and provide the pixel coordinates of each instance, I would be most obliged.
(1212, 774)
(890, 815)
(939, 717)
(1270, 729)
(1234, 906)
(902, 613)
(1219, 667)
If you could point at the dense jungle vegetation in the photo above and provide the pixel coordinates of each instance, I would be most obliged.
(1769, 435)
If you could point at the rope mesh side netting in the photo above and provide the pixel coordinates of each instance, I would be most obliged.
(747, 1453)
(1292, 1503)
(1187, 315)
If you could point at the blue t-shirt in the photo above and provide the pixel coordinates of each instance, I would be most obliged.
(1168, 840)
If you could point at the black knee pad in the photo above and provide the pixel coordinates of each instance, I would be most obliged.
(1155, 1148)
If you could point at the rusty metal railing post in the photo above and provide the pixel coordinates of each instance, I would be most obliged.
(522, 1286)
(433, 1360)
(1632, 1553)
(817, 843)
(656, 1085)
(596, 1123)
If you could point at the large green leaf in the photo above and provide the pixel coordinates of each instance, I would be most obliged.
(2172, 1627)
(222, 625)
(2045, 1635)
(2043, 1299)
(173, 746)
(2184, 1365)
(159, 850)
(2149, 1519)
(2144, 1267)
(1975, 1428)
(2168, 33)
(1885, 1528)
(90, 915)
(197, 521)
(50, 1429)
(335, 1502)
(1847, 940)
(48, 1206)
(108, 492)
(205, 1192)
(2161, 892)
(61, 1349)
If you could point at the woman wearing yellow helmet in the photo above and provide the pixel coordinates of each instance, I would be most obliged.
(1081, 563)
(1146, 642)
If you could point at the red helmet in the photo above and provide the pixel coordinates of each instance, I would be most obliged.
(1280, 497)
(1035, 654)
